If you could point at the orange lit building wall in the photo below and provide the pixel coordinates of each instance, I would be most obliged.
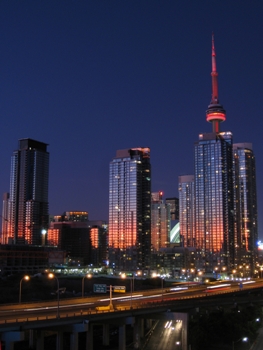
(94, 236)
(160, 225)
(214, 196)
(130, 207)
(186, 211)
(53, 236)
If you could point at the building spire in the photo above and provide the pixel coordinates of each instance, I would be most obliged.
(215, 113)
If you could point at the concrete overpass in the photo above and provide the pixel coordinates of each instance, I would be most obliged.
(33, 328)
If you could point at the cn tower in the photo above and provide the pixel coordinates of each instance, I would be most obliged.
(215, 113)
(214, 230)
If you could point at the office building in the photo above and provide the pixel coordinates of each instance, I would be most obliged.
(73, 238)
(99, 243)
(214, 191)
(28, 259)
(74, 216)
(186, 212)
(175, 259)
(246, 205)
(6, 234)
(130, 209)
(28, 200)
(214, 199)
(174, 207)
(160, 222)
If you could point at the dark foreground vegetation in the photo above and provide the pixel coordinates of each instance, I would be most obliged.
(219, 329)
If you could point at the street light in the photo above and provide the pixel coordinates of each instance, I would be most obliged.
(26, 278)
(43, 232)
(51, 276)
(244, 339)
(200, 274)
(89, 275)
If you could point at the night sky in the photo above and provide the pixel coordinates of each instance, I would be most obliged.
(92, 77)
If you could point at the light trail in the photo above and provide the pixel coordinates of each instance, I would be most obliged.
(219, 286)
(54, 307)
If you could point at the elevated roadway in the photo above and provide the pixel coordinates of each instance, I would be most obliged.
(76, 315)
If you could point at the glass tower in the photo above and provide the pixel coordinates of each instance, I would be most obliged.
(6, 236)
(174, 207)
(246, 204)
(160, 222)
(186, 210)
(130, 209)
(29, 209)
(214, 200)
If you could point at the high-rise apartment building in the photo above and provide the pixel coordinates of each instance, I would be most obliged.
(160, 222)
(98, 239)
(214, 199)
(246, 204)
(130, 209)
(28, 201)
(186, 212)
(6, 236)
(214, 191)
(174, 207)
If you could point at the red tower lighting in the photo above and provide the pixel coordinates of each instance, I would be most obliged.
(215, 113)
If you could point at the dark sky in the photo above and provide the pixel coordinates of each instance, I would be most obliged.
(91, 77)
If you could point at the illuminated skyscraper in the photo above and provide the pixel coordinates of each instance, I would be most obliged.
(130, 209)
(214, 190)
(6, 235)
(214, 199)
(174, 207)
(186, 212)
(28, 215)
(246, 204)
(160, 222)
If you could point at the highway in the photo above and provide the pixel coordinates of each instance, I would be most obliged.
(166, 335)
(71, 307)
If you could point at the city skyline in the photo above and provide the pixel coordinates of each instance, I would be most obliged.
(91, 79)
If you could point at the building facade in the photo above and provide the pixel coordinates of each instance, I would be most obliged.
(246, 205)
(174, 207)
(186, 212)
(160, 222)
(73, 237)
(214, 200)
(130, 209)
(98, 239)
(6, 237)
(28, 206)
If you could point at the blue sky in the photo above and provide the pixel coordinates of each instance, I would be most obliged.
(91, 77)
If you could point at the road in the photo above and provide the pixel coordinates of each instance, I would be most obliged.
(167, 335)
(69, 307)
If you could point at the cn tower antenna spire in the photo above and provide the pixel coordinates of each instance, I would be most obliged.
(214, 74)
(215, 113)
